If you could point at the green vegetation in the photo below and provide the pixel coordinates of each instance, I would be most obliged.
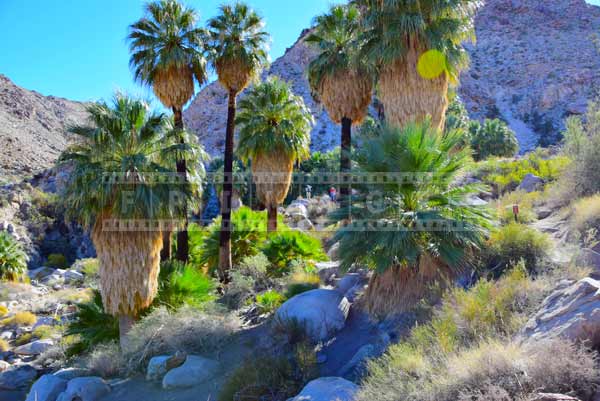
(13, 259)
(20, 319)
(57, 260)
(526, 202)
(286, 246)
(182, 284)
(44, 331)
(493, 138)
(269, 301)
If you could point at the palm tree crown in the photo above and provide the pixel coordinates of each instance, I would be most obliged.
(237, 45)
(167, 51)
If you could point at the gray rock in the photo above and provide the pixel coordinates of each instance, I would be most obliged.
(7, 335)
(572, 312)
(328, 389)
(34, 347)
(356, 366)
(531, 183)
(195, 370)
(322, 312)
(84, 389)
(552, 397)
(305, 225)
(4, 366)
(46, 388)
(72, 373)
(39, 273)
(347, 282)
(73, 276)
(45, 321)
(17, 378)
(157, 367)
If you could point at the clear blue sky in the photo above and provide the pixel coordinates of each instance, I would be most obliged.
(77, 49)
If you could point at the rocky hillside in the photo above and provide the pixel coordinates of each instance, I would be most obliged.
(32, 129)
(534, 63)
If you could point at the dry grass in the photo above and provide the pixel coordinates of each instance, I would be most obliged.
(4, 345)
(526, 202)
(105, 361)
(585, 216)
(20, 319)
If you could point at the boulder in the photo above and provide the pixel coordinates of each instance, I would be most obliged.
(305, 225)
(194, 371)
(89, 388)
(160, 365)
(552, 397)
(328, 389)
(297, 211)
(40, 273)
(322, 312)
(73, 276)
(530, 183)
(572, 312)
(72, 373)
(356, 366)
(17, 378)
(34, 347)
(47, 388)
(347, 282)
(45, 321)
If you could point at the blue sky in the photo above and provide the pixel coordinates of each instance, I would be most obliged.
(77, 49)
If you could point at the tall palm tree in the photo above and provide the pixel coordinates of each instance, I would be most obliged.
(414, 227)
(167, 54)
(122, 152)
(339, 76)
(274, 133)
(418, 47)
(238, 51)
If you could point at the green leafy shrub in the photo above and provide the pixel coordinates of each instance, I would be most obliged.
(493, 138)
(269, 301)
(57, 260)
(13, 260)
(92, 325)
(286, 246)
(182, 284)
(513, 242)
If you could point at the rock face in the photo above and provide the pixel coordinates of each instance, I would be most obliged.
(32, 129)
(322, 312)
(47, 388)
(523, 70)
(328, 389)
(572, 312)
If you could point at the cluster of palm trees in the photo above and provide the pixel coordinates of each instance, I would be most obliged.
(366, 45)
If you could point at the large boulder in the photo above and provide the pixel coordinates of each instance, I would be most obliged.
(17, 378)
(47, 388)
(328, 389)
(158, 366)
(322, 312)
(34, 347)
(572, 312)
(84, 389)
(194, 371)
(531, 183)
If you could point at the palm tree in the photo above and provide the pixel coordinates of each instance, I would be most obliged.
(274, 133)
(238, 51)
(338, 76)
(417, 45)
(114, 190)
(414, 226)
(167, 54)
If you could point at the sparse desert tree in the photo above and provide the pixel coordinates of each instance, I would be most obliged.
(416, 229)
(274, 134)
(113, 181)
(339, 76)
(167, 54)
(418, 48)
(238, 51)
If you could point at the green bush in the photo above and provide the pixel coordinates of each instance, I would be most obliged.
(13, 260)
(57, 260)
(512, 243)
(302, 280)
(493, 138)
(269, 301)
(92, 326)
(286, 246)
(182, 284)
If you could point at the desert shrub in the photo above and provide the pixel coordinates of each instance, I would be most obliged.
(24, 339)
(187, 329)
(239, 290)
(4, 345)
(44, 331)
(182, 284)
(257, 268)
(526, 202)
(513, 242)
(286, 246)
(585, 215)
(13, 260)
(3, 310)
(20, 319)
(92, 326)
(105, 360)
(301, 281)
(90, 268)
(493, 138)
(269, 301)
(57, 260)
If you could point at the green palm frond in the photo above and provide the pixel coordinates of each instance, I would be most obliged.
(272, 119)
(13, 259)
(417, 209)
(167, 36)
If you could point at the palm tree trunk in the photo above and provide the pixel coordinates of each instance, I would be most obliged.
(182, 235)
(165, 253)
(345, 157)
(272, 218)
(125, 325)
(225, 238)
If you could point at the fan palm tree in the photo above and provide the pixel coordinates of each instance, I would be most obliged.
(417, 45)
(167, 54)
(114, 190)
(274, 133)
(338, 76)
(414, 227)
(238, 51)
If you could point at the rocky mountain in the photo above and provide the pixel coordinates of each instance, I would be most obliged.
(32, 129)
(534, 63)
